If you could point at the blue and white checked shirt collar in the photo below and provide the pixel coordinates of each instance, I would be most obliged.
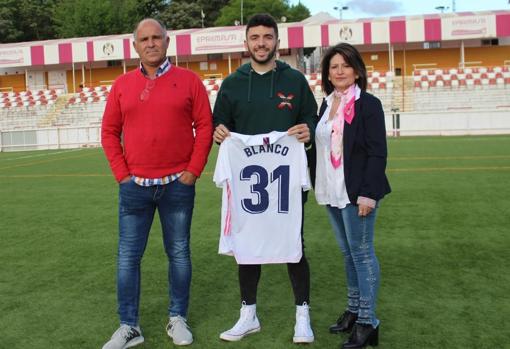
(163, 68)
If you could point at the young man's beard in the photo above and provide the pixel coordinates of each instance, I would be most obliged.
(269, 57)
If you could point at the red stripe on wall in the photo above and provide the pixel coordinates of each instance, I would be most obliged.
(183, 43)
(65, 53)
(127, 48)
(433, 29)
(324, 35)
(367, 33)
(90, 51)
(397, 31)
(37, 55)
(296, 37)
(503, 25)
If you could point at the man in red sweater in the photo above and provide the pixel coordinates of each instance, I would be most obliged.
(156, 134)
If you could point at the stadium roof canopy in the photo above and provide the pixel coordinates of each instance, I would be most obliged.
(316, 31)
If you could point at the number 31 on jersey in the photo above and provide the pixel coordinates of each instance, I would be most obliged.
(261, 179)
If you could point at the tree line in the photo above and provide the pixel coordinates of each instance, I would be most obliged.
(30, 20)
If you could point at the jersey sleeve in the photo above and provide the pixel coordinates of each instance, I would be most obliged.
(303, 169)
(222, 171)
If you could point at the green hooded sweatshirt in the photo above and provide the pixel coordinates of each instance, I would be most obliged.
(250, 103)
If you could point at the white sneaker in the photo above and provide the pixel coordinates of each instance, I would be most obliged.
(125, 337)
(303, 331)
(247, 323)
(179, 331)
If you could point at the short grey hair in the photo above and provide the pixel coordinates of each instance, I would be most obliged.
(161, 25)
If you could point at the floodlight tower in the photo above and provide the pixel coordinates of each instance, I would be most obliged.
(340, 8)
(441, 8)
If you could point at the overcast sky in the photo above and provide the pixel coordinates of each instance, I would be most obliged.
(385, 8)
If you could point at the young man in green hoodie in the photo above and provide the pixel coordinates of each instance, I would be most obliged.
(262, 96)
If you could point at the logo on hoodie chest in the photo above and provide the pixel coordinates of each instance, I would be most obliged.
(286, 101)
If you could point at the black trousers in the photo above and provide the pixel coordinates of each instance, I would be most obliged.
(299, 275)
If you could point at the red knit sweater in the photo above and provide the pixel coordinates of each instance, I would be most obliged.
(154, 138)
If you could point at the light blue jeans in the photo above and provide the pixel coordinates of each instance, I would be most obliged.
(137, 206)
(355, 236)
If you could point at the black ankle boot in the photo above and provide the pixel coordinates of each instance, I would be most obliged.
(344, 322)
(361, 336)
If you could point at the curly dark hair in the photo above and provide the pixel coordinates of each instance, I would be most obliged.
(262, 19)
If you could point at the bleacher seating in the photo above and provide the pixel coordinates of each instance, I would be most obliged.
(24, 110)
(431, 90)
(212, 86)
(479, 77)
(91, 95)
(81, 114)
(379, 83)
(22, 118)
(456, 89)
(376, 81)
(29, 98)
(315, 82)
(84, 108)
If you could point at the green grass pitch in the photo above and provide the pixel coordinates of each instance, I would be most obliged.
(442, 238)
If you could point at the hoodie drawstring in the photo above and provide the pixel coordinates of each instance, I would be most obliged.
(249, 85)
(271, 90)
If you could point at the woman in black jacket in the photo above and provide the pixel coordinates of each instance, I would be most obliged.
(350, 181)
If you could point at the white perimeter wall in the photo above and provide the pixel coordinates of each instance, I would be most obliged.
(451, 123)
(50, 138)
(411, 124)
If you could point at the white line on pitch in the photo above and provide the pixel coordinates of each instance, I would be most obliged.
(39, 155)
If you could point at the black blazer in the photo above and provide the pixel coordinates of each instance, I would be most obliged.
(365, 150)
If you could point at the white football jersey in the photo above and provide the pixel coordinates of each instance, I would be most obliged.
(262, 177)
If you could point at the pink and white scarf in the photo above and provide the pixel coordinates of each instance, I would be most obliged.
(345, 112)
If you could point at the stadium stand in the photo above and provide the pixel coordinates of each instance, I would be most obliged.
(84, 108)
(433, 90)
(26, 109)
(469, 88)
(212, 87)
(379, 83)
(28, 98)
(15, 117)
(86, 113)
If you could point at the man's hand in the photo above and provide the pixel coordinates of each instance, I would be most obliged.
(220, 133)
(125, 179)
(187, 178)
(301, 131)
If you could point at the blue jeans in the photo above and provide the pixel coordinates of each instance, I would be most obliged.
(137, 206)
(355, 236)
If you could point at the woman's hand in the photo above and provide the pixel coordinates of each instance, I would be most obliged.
(364, 210)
